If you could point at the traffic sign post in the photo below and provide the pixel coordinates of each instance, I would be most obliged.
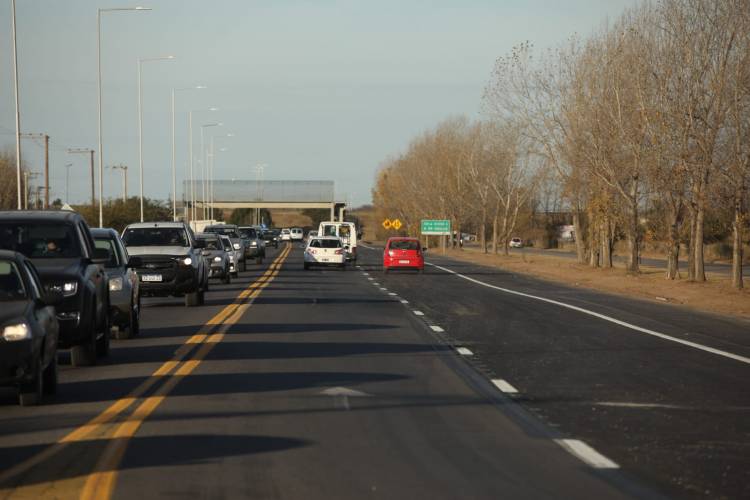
(437, 227)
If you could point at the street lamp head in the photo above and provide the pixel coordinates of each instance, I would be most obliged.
(142, 8)
(199, 87)
(213, 108)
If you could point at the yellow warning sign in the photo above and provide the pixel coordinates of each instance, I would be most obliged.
(387, 224)
(396, 224)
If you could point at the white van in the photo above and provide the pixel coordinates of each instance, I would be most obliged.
(346, 231)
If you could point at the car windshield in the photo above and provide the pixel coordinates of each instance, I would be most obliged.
(226, 243)
(325, 243)
(329, 230)
(155, 237)
(404, 245)
(108, 244)
(229, 231)
(248, 233)
(212, 244)
(11, 284)
(40, 240)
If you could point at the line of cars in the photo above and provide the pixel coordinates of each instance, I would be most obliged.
(64, 285)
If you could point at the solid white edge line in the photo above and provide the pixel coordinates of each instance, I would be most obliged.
(504, 386)
(586, 454)
(436, 328)
(463, 351)
(718, 352)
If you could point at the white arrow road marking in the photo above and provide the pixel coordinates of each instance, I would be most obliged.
(341, 395)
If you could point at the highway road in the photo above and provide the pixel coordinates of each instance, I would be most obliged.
(353, 384)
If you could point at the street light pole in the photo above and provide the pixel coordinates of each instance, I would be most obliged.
(190, 155)
(174, 168)
(204, 166)
(211, 195)
(140, 118)
(99, 99)
(18, 111)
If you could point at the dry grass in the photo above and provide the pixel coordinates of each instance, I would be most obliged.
(716, 295)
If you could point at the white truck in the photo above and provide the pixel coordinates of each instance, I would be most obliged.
(345, 231)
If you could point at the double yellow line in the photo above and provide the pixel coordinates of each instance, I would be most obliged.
(99, 484)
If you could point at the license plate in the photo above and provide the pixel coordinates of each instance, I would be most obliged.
(324, 260)
(403, 262)
(151, 277)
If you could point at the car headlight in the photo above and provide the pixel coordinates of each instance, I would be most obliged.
(20, 331)
(236, 246)
(217, 259)
(68, 289)
(231, 258)
(186, 261)
(115, 284)
(253, 243)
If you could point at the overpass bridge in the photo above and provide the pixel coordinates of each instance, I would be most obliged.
(268, 194)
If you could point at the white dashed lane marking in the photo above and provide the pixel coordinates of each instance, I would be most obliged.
(504, 386)
(587, 454)
(436, 328)
(419, 313)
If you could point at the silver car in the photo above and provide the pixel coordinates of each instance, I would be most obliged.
(217, 256)
(124, 291)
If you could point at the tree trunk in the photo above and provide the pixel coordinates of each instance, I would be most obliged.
(606, 243)
(633, 250)
(483, 229)
(673, 243)
(691, 245)
(580, 243)
(737, 227)
(700, 270)
(494, 233)
(593, 242)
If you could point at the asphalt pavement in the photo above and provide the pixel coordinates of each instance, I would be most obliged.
(328, 384)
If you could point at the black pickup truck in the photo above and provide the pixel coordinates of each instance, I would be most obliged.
(60, 245)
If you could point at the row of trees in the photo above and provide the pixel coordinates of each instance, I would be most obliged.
(647, 119)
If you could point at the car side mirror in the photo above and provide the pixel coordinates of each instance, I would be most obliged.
(52, 298)
(101, 256)
(135, 261)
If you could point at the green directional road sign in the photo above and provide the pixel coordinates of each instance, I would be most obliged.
(435, 226)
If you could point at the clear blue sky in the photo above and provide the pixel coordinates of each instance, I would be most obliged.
(314, 89)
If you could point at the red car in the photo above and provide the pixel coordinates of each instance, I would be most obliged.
(403, 253)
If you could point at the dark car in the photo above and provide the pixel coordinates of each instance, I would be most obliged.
(124, 290)
(60, 245)
(171, 263)
(237, 242)
(28, 330)
(255, 246)
(271, 237)
(217, 256)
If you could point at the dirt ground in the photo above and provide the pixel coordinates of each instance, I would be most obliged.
(716, 295)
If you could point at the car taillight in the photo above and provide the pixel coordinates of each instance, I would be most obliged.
(339, 251)
(312, 251)
(391, 253)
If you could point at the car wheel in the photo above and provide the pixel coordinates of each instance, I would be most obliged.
(385, 270)
(85, 354)
(226, 279)
(201, 298)
(49, 378)
(30, 393)
(192, 299)
(259, 260)
(307, 266)
(243, 266)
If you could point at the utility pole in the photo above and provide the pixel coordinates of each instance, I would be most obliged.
(26, 176)
(124, 169)
(91, 153)
(46, 163)
(67, 181)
